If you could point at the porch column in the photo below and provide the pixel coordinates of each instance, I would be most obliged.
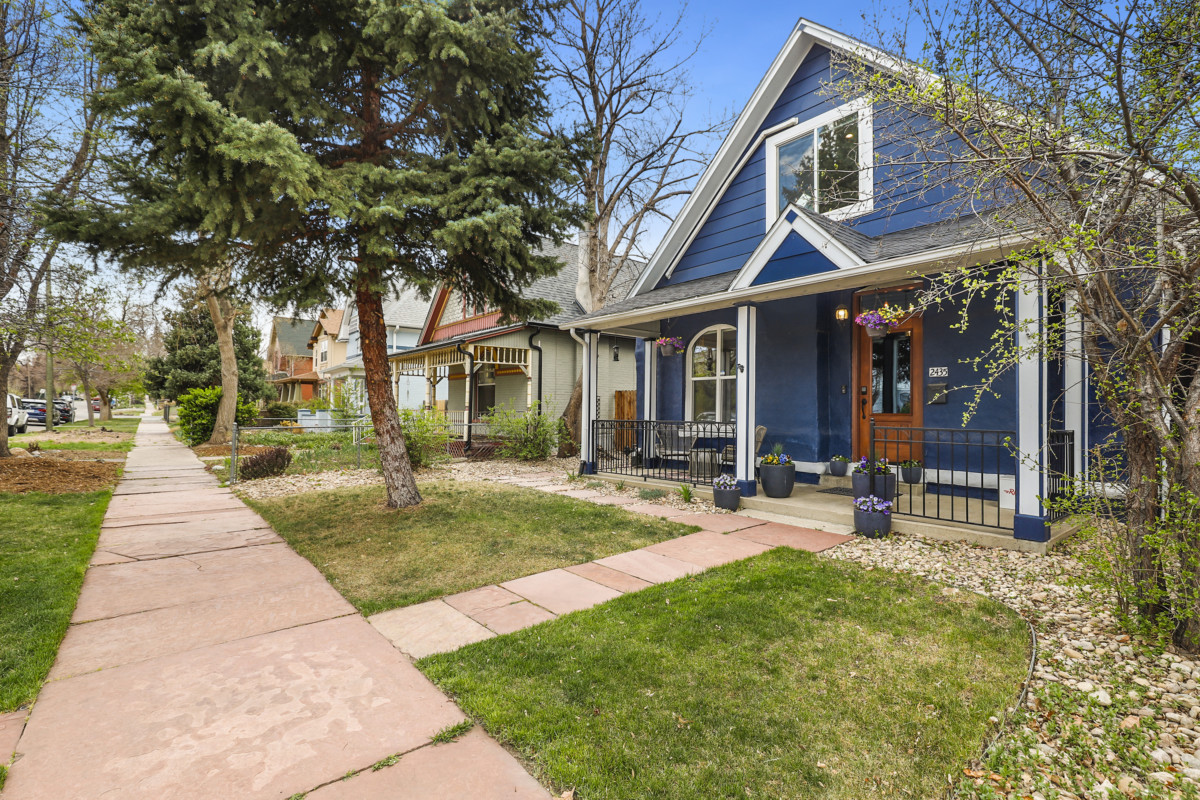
(747, 347)
(1075, 391)
(430, 387)
(1030, 522)
(649, 397)
(590, 402)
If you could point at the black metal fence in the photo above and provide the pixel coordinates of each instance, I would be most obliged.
(1060, 473)
(955, 475)
(674, 450)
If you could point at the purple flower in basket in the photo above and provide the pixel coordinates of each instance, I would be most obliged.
(872, 319)
(670, 341)
(873, 505)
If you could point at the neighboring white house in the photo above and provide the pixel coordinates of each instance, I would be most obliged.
(404, 314)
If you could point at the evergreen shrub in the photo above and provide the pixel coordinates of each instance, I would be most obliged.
(198, 413)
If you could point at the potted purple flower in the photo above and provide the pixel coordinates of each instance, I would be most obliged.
(777, 473)
(725, 493)
(885, 479)
(669, 345)
(873, 516)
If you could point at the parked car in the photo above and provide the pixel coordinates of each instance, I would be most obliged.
(37, 411)
(66, 409)
(15, 415)
(95, 404)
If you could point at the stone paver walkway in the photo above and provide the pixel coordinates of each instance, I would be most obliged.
(452, 622)
(206, 659)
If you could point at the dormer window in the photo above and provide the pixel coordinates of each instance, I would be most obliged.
(823, 165)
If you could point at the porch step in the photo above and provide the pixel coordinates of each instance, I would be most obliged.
(839, 513)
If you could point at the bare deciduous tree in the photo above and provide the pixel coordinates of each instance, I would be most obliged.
(622, 83)
(1076, 128)
(46, 143)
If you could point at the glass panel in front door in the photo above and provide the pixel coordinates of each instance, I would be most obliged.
(891, 374)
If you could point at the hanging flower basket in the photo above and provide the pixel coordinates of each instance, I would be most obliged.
(882, 320)
(669, 345)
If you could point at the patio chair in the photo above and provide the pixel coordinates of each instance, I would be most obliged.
(729, 454)
(674, 444)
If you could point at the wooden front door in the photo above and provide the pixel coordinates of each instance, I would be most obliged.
(888, 389)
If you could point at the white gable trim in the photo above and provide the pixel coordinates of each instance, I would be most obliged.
(721, 169)
(835, 251)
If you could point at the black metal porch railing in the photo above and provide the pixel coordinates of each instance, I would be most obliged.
(1060, 473)
(965, 476)
(676, 451)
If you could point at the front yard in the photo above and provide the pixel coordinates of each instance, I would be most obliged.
(786, 675)
(463, 536)
(46, 542)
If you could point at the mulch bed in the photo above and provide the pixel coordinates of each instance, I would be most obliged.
(55, 476)
(83, 455)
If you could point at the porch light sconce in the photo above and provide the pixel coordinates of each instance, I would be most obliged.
(616, 352)
(842, 314)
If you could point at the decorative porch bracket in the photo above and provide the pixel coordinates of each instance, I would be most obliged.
(747, 345)
(1030, 521)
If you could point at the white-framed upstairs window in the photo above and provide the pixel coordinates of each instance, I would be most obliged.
(823, 164)
(324, 350)
(712, 375)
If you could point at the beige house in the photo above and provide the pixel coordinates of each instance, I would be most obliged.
(471, 362)
(328, 351)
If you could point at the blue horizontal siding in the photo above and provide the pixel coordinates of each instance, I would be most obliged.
(794, 258)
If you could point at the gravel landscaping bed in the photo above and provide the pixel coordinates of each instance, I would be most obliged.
(310, 482)
(1105, 717)
(556, 470)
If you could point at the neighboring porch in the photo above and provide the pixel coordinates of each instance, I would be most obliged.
(297, 388)
(478, 377)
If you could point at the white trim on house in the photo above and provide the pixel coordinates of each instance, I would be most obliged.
(747, 363)
(879, 273)
(1031, 405)
(720, 170)
(841, 256)
(866, 159)
(717, 378)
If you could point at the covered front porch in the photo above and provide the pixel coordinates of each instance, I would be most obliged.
(798, 373)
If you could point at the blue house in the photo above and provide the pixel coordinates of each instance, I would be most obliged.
(760, 278)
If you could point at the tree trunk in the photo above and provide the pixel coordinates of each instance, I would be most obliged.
(87, 397)
(105, 404)
(220, 309)
(1142, 511)
(569, 446)
(6, 366)
(393, 454)
(1187, 632)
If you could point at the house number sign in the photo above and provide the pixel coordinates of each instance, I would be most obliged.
(939, 372)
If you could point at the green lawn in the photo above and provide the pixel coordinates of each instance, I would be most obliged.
(46, 542)
(783, 676)
(462, 537)
(123, 447)
(122, 424)
(318, 452)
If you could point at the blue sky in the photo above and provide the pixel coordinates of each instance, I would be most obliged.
(743, 39)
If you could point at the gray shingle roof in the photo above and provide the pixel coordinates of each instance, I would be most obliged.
(714, 284)
(293, 335)
(407, 309)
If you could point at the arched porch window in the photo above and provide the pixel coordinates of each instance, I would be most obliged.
(712, 375)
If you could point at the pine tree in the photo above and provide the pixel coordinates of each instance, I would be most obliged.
(192, 359)
(347, 147)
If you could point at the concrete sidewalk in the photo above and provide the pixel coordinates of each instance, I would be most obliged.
(206, 659)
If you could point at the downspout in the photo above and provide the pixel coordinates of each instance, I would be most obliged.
(538, 348)
(470, 394)
(583, 344)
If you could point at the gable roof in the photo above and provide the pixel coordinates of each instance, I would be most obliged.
(745, 137)
(330, 320)
(876, 259)
(291, 335)
(405, 309)
(558, 288)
